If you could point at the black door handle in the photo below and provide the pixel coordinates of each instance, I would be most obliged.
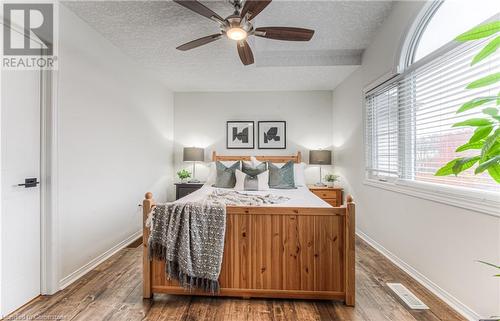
(29, 182)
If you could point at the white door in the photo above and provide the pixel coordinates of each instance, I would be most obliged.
(20, 207)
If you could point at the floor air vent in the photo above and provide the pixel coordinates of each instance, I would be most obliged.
(409, 298)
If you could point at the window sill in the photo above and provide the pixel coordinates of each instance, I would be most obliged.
(483, 202)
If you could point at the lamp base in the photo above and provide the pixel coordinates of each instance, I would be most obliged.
(320, 184)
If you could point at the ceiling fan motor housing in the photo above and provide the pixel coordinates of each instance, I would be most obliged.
(237, 22)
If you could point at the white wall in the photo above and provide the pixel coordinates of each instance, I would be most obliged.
(439, 241)
(115, 143)
(200, 121)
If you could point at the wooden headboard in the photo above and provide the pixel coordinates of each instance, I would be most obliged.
(275, 159)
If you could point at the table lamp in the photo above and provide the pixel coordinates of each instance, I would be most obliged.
(320, 157)
(193, 154)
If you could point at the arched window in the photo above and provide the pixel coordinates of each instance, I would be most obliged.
(411, 119)
(443, 21)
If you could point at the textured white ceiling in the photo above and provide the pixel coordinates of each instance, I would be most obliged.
(149, 31)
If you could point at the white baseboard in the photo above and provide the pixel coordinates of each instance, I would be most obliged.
(98, 260)
(453, 302)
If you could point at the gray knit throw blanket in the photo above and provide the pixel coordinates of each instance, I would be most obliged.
(189, 237)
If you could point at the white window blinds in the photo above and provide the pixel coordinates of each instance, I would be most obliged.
(409, 133)
(382, 133)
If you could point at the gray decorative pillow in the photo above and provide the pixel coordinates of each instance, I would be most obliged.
(281, 178)
(225, 175)
(251, 170)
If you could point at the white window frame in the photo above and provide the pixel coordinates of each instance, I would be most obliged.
(485, 202)
(409, 46)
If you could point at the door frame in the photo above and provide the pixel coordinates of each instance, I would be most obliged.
(49, 218)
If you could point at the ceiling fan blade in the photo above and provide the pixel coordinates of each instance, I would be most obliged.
(199, 42)
(285, 33)
(253, 8)
(201, 9)
(245, 52)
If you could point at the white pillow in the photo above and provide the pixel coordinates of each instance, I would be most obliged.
(254, 161)
(298, 173)
(262, 182)
(212, 172)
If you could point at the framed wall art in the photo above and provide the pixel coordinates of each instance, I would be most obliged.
(240, 135)
(272, 134)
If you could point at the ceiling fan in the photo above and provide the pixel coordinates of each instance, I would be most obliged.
(238, 27)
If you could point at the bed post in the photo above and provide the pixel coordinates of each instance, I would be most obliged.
(147, 205)
(350, 259)
(299, 157)
(214, 156)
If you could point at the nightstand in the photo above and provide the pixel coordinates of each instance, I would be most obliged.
(331, 195)
(183, 189)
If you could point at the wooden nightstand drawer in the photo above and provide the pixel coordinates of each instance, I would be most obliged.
(331, 195)
(325, 193)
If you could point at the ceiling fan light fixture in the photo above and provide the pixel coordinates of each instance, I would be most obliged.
(236, 33)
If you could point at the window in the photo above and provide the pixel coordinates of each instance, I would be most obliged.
(382, 133)
(409, 118)
(449, 19)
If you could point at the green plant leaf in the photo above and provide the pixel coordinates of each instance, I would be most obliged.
(492, 165)
(464, 164)
(480, 133)
(490, 264)
(485, 81)
(475, 122)
(495, 149)
(467, 146)
(492, 111)
(183, 174)
(490, 48)
(447, 169)
(498, 99)
(475, 103)
(489, 142)
(494, 172)
(479, 32)
(490, 162)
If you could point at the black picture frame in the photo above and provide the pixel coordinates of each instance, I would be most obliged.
(259, 133)
(251, 142)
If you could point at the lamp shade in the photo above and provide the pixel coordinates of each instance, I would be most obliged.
(193, 154)
(320, 157)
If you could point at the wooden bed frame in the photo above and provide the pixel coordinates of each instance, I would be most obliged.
(275, 252)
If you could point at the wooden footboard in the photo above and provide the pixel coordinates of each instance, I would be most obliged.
(276, 252)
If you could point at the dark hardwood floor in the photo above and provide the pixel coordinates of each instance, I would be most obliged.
(113, 291)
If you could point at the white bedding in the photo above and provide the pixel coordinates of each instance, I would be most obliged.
(299, 197)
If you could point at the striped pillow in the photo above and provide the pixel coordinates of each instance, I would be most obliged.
(245, 182)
